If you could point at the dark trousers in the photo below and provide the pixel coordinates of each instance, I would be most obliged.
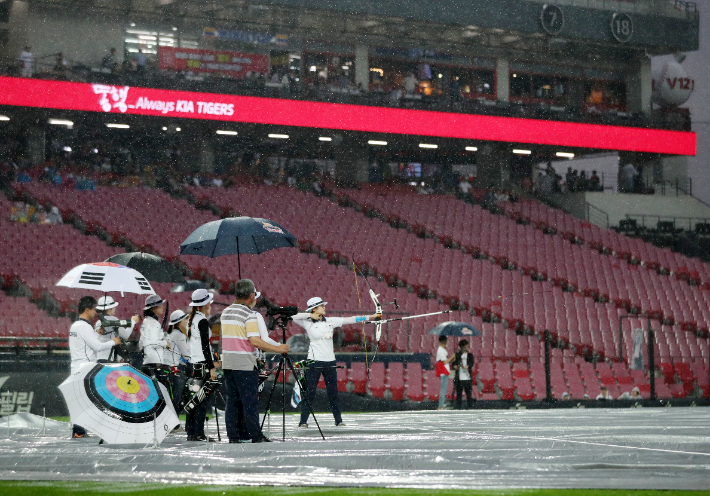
(462, 386)
(195, 420)
(78, 430)
(242, 405)
(330, 376)
(177, 381)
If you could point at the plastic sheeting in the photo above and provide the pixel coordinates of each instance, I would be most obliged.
(637, 448)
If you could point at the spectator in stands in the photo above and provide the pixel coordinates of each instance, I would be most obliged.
(54, 217)
(628, 174)
(27, 62)
(489, 200)
(410, 83)
(141, 61)
(635, 394)
(240, 340)
(443, 369)
(463, 378)
(320, 332)
(604, 394)
(106, 312)
(594, 182)
(583, 184)
(178, 354)
(109, 61)
(60, 64)
(464, 188)
(84, 343)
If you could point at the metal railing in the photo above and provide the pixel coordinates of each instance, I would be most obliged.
(597, 216)
(678, 222)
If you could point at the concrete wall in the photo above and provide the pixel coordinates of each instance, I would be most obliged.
(81, 38)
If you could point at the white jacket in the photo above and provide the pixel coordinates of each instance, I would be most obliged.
(178, 348)
(152, 341)
(84, 344)
(321, 334)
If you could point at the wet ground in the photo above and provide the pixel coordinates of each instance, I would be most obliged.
(636, 448)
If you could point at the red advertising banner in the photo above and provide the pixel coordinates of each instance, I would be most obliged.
(231, 63)
(118, 100)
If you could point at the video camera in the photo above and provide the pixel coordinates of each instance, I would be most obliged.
(277, 314)
(107, 323)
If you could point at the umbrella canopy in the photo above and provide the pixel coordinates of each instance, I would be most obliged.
(453, 328)
(119, 404)
(152, 267)
(237, 235)
(106, 277)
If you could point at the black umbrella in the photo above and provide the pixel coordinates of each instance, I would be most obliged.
(237, 235)
(152, 267)
(452, 328)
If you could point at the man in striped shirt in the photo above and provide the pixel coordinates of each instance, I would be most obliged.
(240, 339)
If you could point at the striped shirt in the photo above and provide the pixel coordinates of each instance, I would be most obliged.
(238, 325)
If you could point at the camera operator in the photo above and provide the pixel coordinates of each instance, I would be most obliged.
(152, 340)
(202, 369)
(84, 343)
(106, 312)
(240, 340)
(320, 333)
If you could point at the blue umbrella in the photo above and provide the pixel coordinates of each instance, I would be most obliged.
(452, 328)
(237, 235)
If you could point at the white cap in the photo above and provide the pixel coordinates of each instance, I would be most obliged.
(177, 316)
(315, 302)
(201, 297)
(636, 388)
(106, 302)
(152, 301)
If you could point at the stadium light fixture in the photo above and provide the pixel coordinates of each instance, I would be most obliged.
(325, 138)
(4, 118)
(375, 142)
(226, 133)
(61, 122)
(428, 145)
(118, 126)
(471, 148)
(564, 155)
(278, 136)
(178, 129)
(165, 128)
(66, 148)
(519, 151)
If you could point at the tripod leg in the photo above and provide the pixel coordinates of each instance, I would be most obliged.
(305, 395)
(279, 370)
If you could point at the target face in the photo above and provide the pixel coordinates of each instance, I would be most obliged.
(124, 392)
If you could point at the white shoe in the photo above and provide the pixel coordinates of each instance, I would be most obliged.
(341, 424)
(303, 426)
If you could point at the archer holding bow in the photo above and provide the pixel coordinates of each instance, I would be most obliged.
(320, 334)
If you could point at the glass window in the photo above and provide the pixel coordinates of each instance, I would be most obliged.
(520, 84)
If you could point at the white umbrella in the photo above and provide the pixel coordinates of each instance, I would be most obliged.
(106, 277)
(119, 404)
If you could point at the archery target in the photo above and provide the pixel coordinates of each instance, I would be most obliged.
(124, 392)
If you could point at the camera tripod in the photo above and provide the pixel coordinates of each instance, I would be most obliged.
(285, 361)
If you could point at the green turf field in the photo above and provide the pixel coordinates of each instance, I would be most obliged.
(67, 488)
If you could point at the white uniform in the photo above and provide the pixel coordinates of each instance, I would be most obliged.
(152, 341)
(84, 344)
(196, 354)
(178, 348)
(263, 334)
(321, 334)
(122, 332)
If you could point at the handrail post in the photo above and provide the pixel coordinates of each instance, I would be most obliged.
(651, 361)
(548, 385)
